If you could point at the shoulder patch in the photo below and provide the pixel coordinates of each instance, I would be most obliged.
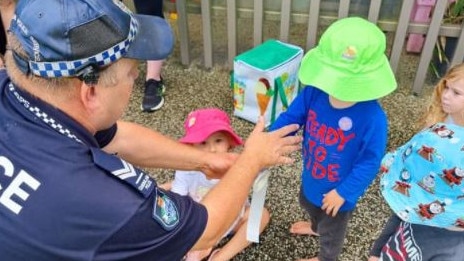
(125, 171)
(165, 211)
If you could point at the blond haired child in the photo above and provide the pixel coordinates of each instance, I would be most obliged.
(210, 130)
(428, 221)
(447, 101)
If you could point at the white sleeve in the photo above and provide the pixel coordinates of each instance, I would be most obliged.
(181, 182)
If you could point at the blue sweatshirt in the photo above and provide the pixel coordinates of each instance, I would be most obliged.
(342, 148)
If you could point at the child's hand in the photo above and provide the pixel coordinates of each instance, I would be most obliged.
(332, 202)
(373, 258)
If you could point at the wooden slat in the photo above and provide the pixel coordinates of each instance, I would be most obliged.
(400, 34)
(207, 33)
(286, 9)
(344, 8)
(182, 27)
(429, 45)
(313, 23)
(374, 11)
(258, 22)
(458, 56)
(231, 32)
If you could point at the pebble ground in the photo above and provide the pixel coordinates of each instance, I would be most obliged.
(193, 87)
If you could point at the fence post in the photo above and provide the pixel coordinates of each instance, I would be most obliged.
(182, 26)
(231, 32)
(429, 44)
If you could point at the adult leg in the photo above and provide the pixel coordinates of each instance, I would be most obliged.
(153, 98)
(152, 7)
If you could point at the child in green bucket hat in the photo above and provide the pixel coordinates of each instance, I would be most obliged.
(349, 62)
(344, 127)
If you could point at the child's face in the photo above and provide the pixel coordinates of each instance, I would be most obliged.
(452, 98)
(216, 142)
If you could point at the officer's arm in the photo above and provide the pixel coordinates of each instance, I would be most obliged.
(147, 148)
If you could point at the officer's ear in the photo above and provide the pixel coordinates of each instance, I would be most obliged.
(89, 96)
(89, 79)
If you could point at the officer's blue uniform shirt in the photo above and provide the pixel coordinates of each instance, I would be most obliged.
(423, 180)
(62, 198)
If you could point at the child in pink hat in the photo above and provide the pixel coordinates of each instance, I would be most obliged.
(210, 130)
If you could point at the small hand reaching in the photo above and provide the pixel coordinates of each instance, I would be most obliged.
(332, 202)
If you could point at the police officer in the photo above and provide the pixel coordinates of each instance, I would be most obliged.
(69, 185)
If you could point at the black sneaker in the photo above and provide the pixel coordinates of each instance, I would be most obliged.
(153, 96)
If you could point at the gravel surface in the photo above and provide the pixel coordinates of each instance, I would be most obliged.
(193, 87)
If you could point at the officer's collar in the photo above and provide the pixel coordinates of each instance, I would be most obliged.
(52, 117)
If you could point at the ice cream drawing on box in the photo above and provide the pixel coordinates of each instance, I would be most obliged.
(264, 93)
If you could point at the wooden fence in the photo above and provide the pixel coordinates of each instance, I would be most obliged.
(313, 13)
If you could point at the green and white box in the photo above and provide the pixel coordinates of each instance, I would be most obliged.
(265, 80)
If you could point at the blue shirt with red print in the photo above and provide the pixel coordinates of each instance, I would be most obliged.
(342, 148)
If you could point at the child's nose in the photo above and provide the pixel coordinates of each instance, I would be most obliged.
(212, 148)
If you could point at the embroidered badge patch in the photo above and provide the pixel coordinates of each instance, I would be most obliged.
(165, 211)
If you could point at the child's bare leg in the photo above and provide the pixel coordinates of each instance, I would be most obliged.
(310, 259)
(197, 255)
(302, 228)
(239, 242)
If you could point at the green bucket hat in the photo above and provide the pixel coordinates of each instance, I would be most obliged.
(349, 63)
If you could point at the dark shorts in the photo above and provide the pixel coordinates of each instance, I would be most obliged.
(332, 230)
(401, 240)
(2, 38)
(149, 7)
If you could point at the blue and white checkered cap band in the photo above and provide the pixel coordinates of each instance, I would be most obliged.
(71, 68)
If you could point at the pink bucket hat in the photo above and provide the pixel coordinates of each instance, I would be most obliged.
(200, 124)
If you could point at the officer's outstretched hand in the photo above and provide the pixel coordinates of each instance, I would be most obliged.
(272, 148)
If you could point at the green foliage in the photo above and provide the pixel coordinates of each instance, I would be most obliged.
(454, 14)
